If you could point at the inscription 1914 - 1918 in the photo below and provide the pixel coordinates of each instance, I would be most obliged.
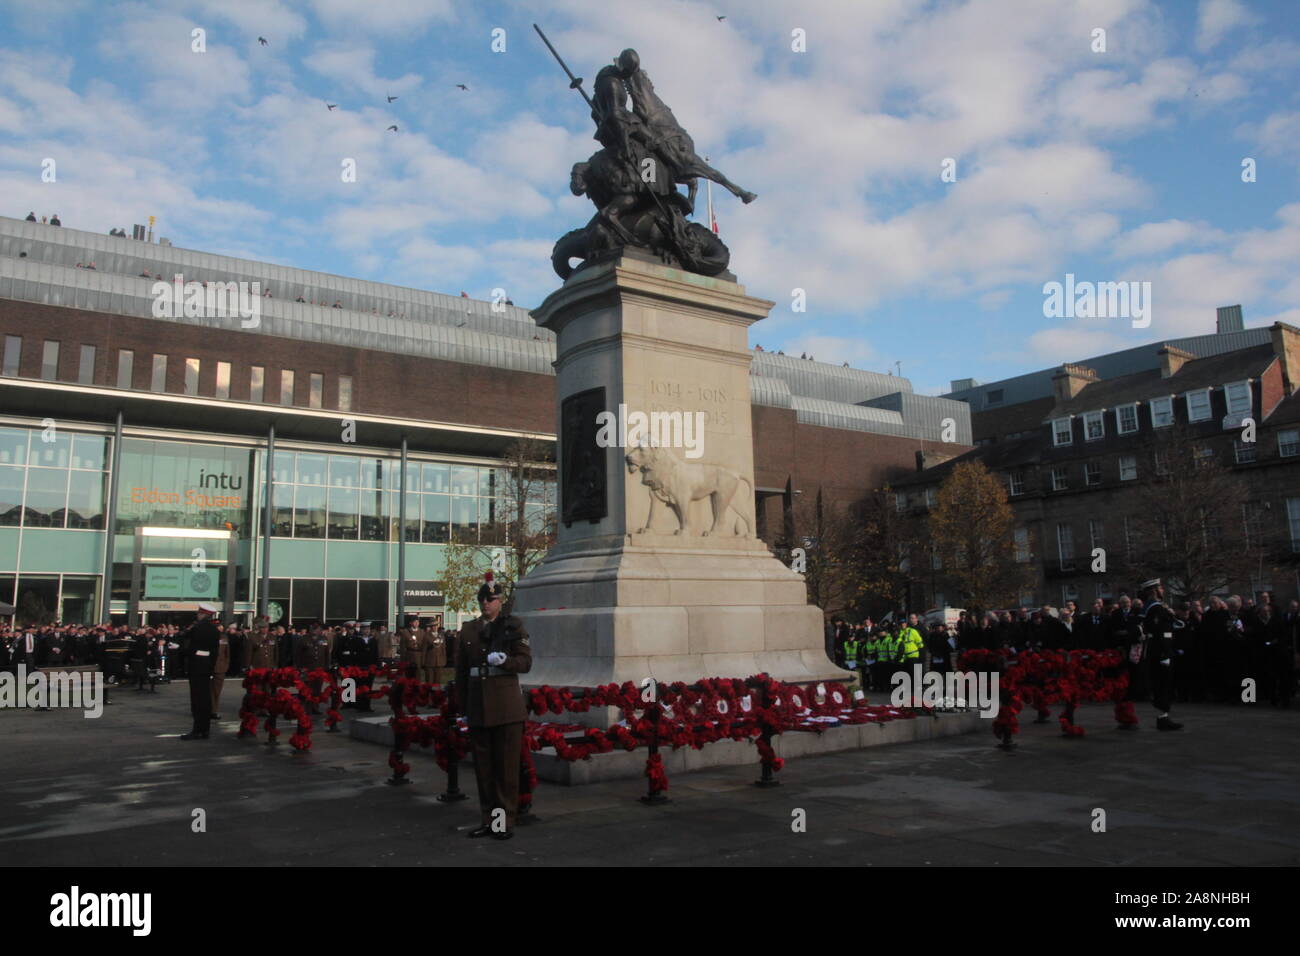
(583, 493)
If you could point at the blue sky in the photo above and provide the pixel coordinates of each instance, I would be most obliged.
(1115, 165)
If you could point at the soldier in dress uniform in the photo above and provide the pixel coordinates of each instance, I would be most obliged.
(493, 651)
(312, 652)
(409, 651)
(219, 671)
(260, 649)
(199, 646)
(433, 654)
(386, 643)
(1158, 626)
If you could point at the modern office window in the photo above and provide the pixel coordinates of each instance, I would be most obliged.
(1062, 433)
(86, 367)
(50, 360)
(1128, 467)
(1022, 545)
(191, 376)
(1126, 419)
(1060, 478)
(1293, 518)
(1237, 396)
(1092, 473)
(13, 354)
(286, 386)
(1162, 412)
(1017, 482)
(159, 381)
(1065, 546)
(125, 367)
(1094, 426)
(1288, 442)
(1245, 451)
(223, 380)
(256, 383)
(1198, 405)
(317, 392)
(345, 393)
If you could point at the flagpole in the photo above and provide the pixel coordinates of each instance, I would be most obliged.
(708, 188)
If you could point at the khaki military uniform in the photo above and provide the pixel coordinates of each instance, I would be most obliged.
(409, 649)
(219, 670)
(433, 656)
(493, 705)
(387, 644)
(259, 650)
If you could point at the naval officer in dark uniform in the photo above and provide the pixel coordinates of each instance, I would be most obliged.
(1158, 626)
(199, 645)
(493, 651)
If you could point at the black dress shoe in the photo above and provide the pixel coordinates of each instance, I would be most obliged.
(477, 832)
(216, 717)
(194, 736)
(1165, 723)
(504, 835)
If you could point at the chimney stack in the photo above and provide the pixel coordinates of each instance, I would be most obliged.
(1172, 359)
(1070, 381)
(1229, 319)
(1286, 346)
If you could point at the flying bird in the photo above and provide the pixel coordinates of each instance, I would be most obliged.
(331, 106)
(462, 86)
(721, 18)
(391, 98)
(262, 40)
(392, 128)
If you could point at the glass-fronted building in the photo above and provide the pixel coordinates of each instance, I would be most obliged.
(188, 515)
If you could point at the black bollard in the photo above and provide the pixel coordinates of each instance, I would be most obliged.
(453, 792)
(652, 796)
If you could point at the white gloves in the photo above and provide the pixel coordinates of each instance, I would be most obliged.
(496, 659)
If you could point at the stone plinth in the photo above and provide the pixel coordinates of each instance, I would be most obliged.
(630, 593)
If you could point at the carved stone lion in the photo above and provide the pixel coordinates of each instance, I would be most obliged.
(677, 483)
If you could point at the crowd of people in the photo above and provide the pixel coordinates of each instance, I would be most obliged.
(149, 656)
(1216, 645)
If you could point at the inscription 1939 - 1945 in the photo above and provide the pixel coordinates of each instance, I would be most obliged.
(583, 492)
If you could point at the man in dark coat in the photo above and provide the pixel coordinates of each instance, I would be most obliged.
(200, 645)
(1158, 626)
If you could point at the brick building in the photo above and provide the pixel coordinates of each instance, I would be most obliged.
(118, 412)
(1076, 460)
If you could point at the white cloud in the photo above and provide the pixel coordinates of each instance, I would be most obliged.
(1153, 238)
(352, 67)
(1217, 18)
(386, 17)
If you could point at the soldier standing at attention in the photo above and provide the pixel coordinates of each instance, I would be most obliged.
(219, 671)
(493, 651)
(199, 647)
(433, 653)
(1158, 626)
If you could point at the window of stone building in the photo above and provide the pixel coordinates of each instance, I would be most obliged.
(1237, 395)
(1017, 482)
(1060, 478)
(1162, 412)
(1022, 545)
(1092, 473)
(1293, 519)
(1126, 419)
(1198, 405)
(1245, 451)
(1062, 433)
(1097, 532)
(125, 367)
(1128, 467)
(50, 360)
(13, 354)
(1288, 442)
(1094, 426)
(86, 367)
(931, 497)
(1065, 546)
(900, 501)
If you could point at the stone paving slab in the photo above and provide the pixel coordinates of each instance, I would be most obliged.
(117, 791)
